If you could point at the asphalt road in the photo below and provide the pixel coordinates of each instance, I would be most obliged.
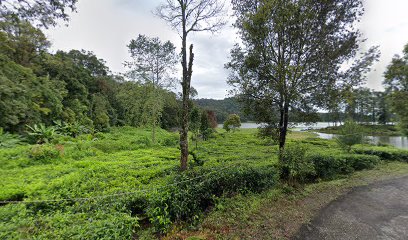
(377, 211)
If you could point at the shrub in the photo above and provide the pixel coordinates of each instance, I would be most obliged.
(194, 194)
(233, 122)
(41, 134)
(294, 166)
(329, 166)
(46, 153)
(350, 134)
(385, 153)
(8, 140)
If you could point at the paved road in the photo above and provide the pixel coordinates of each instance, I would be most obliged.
(377, 211)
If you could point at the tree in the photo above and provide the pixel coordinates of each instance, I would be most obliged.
(396, 84)
(291, 54)
(187, 16)
(153, 64)
(40, 12)
(195, 120)
(233, 122)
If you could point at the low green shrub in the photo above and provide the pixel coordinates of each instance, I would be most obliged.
(329, 166)
(8, 140)
(41, 134)
(385, 153)
(193, 193)
(294, 166)
(46, 153)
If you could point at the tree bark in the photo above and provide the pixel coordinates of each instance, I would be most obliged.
(283, 124)
(187, 73)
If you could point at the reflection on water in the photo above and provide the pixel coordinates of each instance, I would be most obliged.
(296, 127)
(399, 142)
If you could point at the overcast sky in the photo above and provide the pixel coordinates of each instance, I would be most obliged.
(107, 26)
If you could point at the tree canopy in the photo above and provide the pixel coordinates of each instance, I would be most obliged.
(292, 54)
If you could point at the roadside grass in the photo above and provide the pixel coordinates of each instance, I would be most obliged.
(280, 212)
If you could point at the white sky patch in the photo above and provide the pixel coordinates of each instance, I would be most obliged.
(107, 26)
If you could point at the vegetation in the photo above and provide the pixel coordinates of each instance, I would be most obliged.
(287, 63)
(233, 122)
(187, 17)
(396, 83)
(85, 153)
(350, 135)
(121, 179)
(366, 129)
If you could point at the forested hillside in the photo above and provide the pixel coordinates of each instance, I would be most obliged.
(222, 108)
(74, 87)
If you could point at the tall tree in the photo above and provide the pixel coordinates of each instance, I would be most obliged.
(39, 12)
(291, 54)
(396, 84)
(187, 16)
(153, 64)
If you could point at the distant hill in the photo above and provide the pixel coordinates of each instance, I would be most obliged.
(222, 108)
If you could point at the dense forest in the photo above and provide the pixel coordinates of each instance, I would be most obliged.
(74, 87)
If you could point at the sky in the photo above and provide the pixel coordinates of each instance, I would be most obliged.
(106, 27)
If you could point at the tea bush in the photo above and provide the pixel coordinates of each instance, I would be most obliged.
(46, 153)
(385, 153)
(194, 193)
(329, 166)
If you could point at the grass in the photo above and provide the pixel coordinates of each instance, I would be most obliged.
(105, 167)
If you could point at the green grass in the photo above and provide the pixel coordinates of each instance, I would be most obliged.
(128, 182)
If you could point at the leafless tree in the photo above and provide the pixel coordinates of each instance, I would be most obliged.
(186, 16)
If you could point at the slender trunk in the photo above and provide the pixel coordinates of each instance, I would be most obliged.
(154, 132)
(187, 73)
(284, 121)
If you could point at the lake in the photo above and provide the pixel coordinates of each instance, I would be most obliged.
(399, 142)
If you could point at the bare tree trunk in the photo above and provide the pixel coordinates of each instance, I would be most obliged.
(187, 73)
(284, 121)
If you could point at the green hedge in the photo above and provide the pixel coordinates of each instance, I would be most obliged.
(194, 194)
(328, 166)
(385, 153)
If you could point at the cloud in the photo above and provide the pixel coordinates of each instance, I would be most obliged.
(106, 27)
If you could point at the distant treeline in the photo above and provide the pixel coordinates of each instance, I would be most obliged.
(223, 108)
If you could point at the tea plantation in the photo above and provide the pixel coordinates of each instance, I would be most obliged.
(112, 185)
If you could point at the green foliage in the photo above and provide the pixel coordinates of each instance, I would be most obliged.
(294, 166)
(41, 134)
(396, 84)
(329, 165)
(193, 194)
(232, 123)
(46, 153)
(385, 153)
(351, 134)
(8, 140)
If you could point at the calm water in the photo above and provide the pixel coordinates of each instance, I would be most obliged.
(399, 142)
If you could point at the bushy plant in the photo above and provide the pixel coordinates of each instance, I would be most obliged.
(70, 129)
(41, 134)
(232, 123)
(350, 134)
(46, 153)
(329, 166)
(198, 188)
(387, 153)
(8, 140)
(294, 166)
